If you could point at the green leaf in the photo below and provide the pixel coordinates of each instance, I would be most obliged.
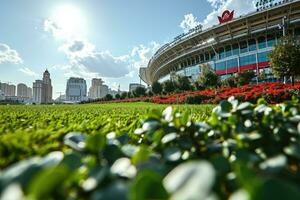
(95, 143)
(117, 190)
(123, 168)
(47, 182)
(141, 155)
(274, 164)
(172, 154)
(293, 150)
(276, 189)
(147, 185)
(111, 153)
(190, 181)
(169, 138)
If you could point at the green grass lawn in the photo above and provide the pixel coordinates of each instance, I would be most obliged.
(38, 129)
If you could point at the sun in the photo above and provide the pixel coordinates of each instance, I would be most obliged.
(69, 19)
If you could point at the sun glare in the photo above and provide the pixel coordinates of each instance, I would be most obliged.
(69, 19)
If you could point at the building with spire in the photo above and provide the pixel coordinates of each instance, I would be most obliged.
(42, 89)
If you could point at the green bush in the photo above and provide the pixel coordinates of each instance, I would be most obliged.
(243, 151)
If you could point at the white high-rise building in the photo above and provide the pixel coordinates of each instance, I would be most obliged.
(29, 92)
(2, 96)
(76, 89)
(38, 92)
(22, 90)
(98, 89)
(42, 89)
(8, 90)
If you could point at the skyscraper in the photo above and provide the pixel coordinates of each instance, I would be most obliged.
(47, 87)
(8, 90)
(42, 89)
(38, 92)
(98, 89)
(76, 89)
(22, 90)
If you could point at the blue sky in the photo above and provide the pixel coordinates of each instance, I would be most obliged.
(107, 39)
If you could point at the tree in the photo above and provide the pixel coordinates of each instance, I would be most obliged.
(285, 58)
(230, 82)
(123, 95)
(169, 86)
(139, 92)
(118, 96)
(208, 77)
(108, 97)
(244, 77)
(157, 88)
(184, 83)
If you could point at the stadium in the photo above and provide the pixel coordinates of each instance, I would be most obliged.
(236, 44)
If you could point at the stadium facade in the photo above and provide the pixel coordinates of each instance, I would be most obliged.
(235, 45)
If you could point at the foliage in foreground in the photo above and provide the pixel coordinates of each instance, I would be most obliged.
(243, 151)
(31, 130)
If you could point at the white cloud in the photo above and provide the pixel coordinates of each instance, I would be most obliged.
(87, 62)
(51, 27)
(240, 8)
(189, 22)
(28, 72)
(85, 59)
(8, 55)
(141, 54)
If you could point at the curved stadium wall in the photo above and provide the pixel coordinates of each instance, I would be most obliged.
(240, 44)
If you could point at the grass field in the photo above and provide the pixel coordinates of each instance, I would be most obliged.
(38, 129)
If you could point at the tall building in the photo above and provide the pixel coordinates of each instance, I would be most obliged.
(29, 92)
(38, 92)
(8, 90)
(47, 87)
(98, 89)
(2, 96)
(22, 90)
(76, 89)
(42, 89)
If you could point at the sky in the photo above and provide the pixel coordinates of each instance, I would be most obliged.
(108, 39)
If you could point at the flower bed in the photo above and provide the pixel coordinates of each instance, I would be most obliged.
(272, 92)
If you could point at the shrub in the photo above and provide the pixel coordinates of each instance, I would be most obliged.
(243, 151)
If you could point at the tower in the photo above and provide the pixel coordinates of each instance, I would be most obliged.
(47, 87)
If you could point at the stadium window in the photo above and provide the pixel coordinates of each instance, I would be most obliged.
(197, 60)
(252, 45)
(247, 60)
(206, 56)
(193, 61)
(232, 63)
(235, 49)
(213, 55)
(228, 51)
(262, 42)
(185, 64)
(221, 66)
(243, 47)
(221, 53)
(263, 57)
(271, 41)
(201, 58)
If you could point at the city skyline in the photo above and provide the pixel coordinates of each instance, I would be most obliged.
(42, 34)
